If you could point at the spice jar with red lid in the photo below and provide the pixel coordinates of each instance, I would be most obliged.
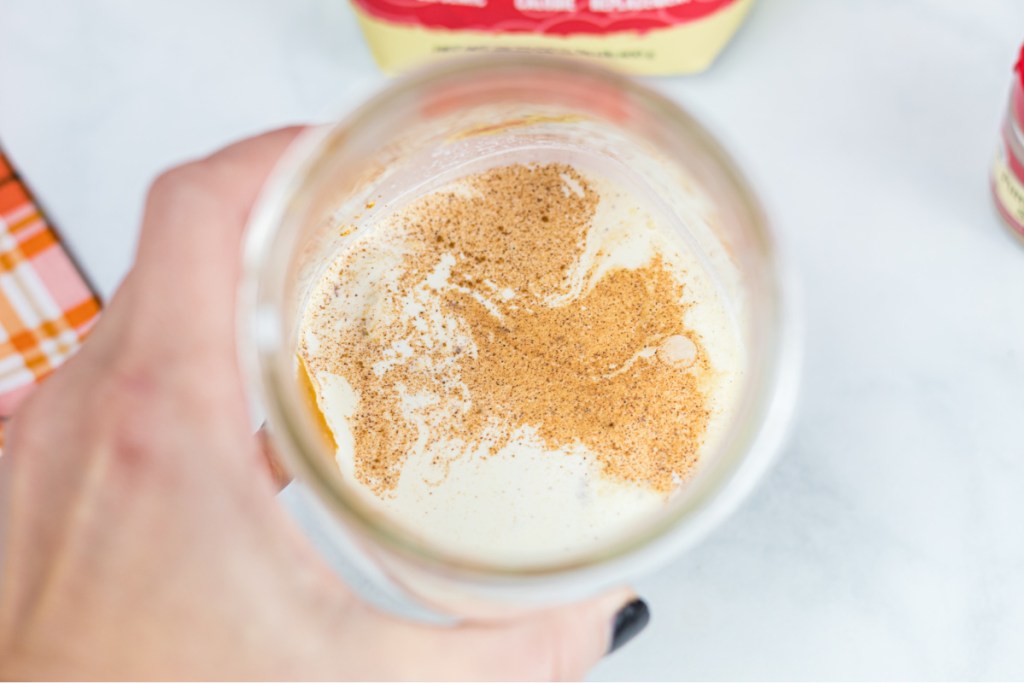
(1008, 168)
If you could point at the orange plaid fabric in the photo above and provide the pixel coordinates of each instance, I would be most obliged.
(46, 306)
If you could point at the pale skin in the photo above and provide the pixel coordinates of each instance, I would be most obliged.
(140, 536)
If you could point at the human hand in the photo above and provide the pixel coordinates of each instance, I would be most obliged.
(140, 536)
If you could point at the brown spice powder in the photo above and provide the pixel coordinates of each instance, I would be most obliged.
(570, 372)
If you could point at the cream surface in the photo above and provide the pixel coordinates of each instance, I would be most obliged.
(523, 502)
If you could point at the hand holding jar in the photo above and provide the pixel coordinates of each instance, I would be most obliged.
(140, 537)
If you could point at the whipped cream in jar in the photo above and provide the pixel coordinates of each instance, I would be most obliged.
(521, 330)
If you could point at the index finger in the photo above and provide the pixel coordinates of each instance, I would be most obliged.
(189, 257)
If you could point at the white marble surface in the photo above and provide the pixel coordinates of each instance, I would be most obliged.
(888, 542)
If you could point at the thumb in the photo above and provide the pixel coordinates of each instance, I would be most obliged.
(561, 643)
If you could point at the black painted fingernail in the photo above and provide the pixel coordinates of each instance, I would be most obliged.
(629, 621)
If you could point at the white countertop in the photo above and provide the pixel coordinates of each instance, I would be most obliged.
(888, 541)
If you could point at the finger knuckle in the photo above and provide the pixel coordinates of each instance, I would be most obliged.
(130, 410)
(187, 180)
(566, 648)
(94, 415)
(562, 666)
(548, 660)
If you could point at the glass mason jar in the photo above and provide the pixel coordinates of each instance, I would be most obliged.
(460, 117)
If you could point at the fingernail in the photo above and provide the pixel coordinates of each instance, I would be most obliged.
(629, 622)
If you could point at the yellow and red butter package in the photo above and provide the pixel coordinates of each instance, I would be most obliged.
(637, 36)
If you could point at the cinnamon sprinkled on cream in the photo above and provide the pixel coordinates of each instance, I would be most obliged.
(460, 350)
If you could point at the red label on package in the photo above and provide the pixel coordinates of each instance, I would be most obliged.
(553, 17)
